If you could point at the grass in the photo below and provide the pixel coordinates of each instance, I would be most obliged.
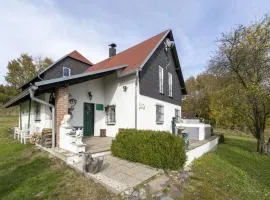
(28, 173)
(233, 171)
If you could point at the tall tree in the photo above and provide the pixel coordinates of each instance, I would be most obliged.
(42, 63)
(6, 92)
(244, 55)
(200, 91)
(24, 68)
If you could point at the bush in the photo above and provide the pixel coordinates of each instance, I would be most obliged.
(155, 148)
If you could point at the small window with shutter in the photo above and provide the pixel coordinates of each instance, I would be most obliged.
(110, 114)
(177, 115)
(170, 84)
(159, 114)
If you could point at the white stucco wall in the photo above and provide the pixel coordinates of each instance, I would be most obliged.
(45, 115)
(107, 91)
(80, 93)
(147, 114)
(124, 101)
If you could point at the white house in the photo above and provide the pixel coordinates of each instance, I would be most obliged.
(140, 88)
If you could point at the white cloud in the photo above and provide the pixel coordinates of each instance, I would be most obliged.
(41, 30)
(48, 28)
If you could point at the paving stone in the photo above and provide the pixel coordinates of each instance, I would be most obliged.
(165, 198)
(158, 184)
(128, 191)
(142, 193)
(175, 192)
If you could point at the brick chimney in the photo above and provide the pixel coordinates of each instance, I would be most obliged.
(112, 50)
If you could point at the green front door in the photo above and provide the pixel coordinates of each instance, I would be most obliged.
(88, 119)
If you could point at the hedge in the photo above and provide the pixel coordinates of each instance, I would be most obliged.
(158, 149)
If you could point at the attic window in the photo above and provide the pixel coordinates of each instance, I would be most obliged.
(66, 71)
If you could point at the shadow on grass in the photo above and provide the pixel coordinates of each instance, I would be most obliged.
(12, 180)
(242, 154)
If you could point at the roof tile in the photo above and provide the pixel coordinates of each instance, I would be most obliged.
(133, 57)
(76, 55)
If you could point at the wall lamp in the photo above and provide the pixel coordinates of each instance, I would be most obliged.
(90, 95)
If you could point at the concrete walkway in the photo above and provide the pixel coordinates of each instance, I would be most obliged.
(117, 174)
(127, 174)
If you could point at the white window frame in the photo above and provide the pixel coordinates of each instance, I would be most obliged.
(111, 115)
(69, 71)
(161, 79)
(170, 84)
(159, 114)
(177, 115)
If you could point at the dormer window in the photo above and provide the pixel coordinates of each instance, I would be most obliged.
(66, 71)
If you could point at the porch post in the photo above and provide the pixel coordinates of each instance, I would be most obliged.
(61, 108)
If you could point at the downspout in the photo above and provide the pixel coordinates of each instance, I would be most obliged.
(136, 98)
(32, 93)
(20, 117)
(29, 114)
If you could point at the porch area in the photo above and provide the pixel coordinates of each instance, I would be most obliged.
(97, 144)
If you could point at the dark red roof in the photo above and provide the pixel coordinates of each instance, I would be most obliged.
(133, 57)
(77, 56)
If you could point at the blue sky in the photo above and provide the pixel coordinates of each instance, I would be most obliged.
(54, 28)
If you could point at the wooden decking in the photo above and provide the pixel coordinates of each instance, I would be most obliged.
(97, 144)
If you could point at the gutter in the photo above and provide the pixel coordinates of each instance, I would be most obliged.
(32, 90)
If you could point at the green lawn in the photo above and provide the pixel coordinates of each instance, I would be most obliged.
(233, 171)
(28, 173)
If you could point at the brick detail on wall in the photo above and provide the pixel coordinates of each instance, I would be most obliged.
(61, 108)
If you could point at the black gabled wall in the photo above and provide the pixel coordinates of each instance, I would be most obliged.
(56, 71)
(149, 77)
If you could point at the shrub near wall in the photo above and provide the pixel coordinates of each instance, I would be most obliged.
(155, 148)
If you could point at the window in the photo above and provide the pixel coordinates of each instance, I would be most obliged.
(170, 84)
(37, 111)
(66, 71)
(159, 114)
(177, 115)
(110, 114)
(160, 79)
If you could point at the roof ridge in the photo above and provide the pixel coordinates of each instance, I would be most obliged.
(78, 56)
